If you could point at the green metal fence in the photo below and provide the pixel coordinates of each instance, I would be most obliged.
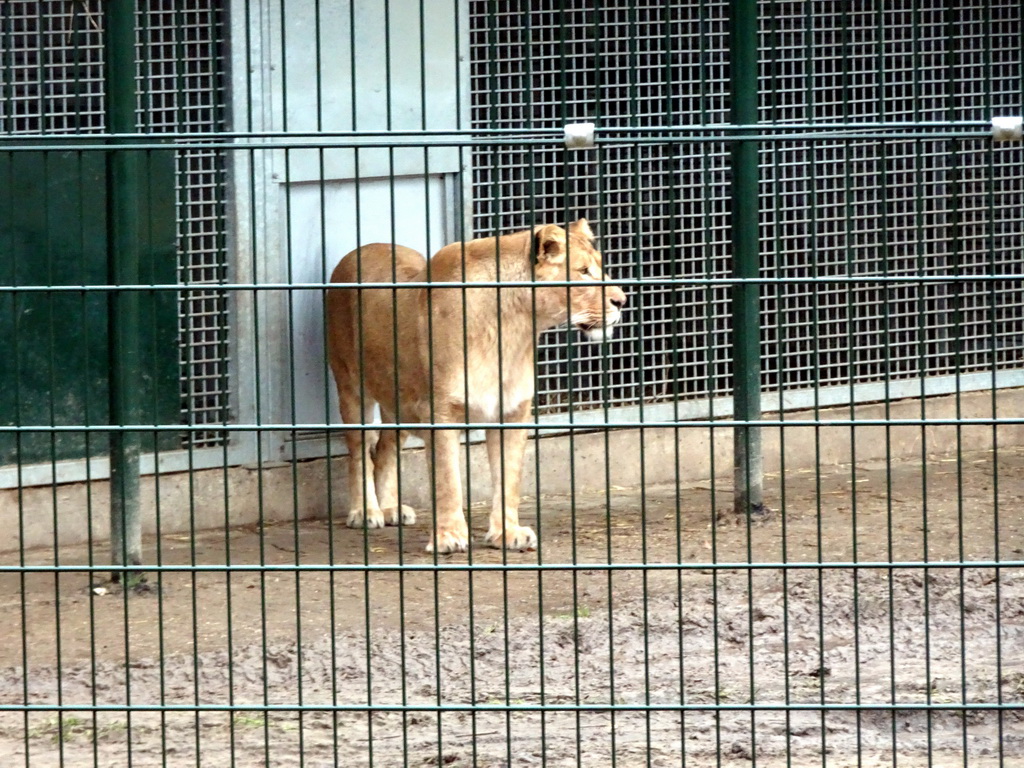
(777, 513)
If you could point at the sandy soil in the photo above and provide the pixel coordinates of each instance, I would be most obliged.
(611, 652)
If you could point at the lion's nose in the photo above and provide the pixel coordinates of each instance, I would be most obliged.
(618, 300)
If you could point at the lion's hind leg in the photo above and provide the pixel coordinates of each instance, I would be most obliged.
(385, 475)
(362, 492)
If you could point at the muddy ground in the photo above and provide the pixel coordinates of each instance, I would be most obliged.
(612, 653)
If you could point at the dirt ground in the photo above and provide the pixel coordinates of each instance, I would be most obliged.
(610, 652)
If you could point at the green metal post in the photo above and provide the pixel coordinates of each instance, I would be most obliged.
(124, 227)
(746, 351)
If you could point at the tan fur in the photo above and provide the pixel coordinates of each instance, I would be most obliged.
(434, 378)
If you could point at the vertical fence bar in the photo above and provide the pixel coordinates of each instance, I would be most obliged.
(746, 344)
(123, 256)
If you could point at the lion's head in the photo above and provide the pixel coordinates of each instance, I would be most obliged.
(591, 303)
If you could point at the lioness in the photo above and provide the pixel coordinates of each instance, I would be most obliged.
(450, 366)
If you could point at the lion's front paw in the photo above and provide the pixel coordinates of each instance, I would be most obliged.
(449, 540)
(515, 537)
(374, 518)
(408, 516)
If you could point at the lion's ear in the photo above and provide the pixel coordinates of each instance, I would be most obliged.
(582, 227)
(549, 244)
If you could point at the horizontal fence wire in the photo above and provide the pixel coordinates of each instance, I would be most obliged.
(525, 567)
(412, 284)
(461, 426)
(324, 142)
(487, 707)
(557, 133)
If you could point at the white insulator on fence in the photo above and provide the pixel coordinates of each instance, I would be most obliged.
(579, 135)
(1007, 128)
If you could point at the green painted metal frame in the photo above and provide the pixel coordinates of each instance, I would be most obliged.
(746, 242)
(125, 222)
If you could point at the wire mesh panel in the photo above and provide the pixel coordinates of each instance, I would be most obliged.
(831, 208)
(890, 208)
(183, 89)
(52, 82)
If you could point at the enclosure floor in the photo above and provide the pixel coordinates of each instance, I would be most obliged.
(591, 636)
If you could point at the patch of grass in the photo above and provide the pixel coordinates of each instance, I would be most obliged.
(724, 694)
(582, 612)
(246, 720)
(69, 727)
(60, 729)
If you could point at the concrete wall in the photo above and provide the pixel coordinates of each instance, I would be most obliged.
(234, 495)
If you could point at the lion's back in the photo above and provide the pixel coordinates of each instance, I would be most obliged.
(379, 263)
(349, 338)
(373, 263)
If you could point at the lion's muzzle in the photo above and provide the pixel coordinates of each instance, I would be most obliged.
(601, 328)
